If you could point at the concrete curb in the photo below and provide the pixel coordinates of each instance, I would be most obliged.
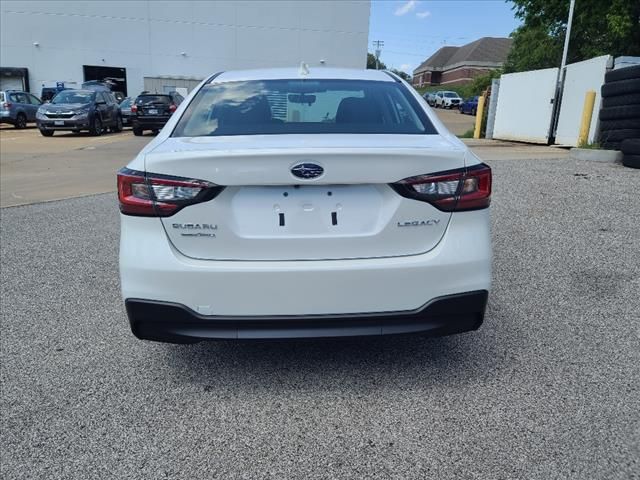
(595, 155)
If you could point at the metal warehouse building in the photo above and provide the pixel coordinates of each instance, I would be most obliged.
(167, 45)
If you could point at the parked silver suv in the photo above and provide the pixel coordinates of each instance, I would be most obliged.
(18, 108)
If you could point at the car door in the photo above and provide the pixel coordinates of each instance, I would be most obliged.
(102, 103)
(114, 106)
(35, 104)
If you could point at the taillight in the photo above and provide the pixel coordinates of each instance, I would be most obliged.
(6, 105)
(134, 108)
(154, 195)
(454, 190)
(173, 107)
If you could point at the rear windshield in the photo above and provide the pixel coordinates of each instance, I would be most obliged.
(74, 96)
(303, 106)
(149, 99)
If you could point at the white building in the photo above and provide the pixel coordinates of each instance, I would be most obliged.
(164, 45)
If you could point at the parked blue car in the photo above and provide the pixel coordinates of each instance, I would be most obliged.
(470, 106)
(18, 108)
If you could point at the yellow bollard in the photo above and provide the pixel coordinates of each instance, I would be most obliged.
(479, 115)
(587, 113)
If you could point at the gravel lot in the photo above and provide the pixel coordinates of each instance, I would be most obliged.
(547, 389)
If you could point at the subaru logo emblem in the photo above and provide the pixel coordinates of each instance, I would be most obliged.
(307, 170)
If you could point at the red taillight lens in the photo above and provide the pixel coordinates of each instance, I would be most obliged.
(173, 107)
(456, 190)
(6, 105)
(134, 108)
(154, 195)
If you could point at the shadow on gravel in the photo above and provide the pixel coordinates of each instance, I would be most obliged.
(335, 364)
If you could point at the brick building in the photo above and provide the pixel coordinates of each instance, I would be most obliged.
(458, 65)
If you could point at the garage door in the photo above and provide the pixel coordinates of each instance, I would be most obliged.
(11, 83)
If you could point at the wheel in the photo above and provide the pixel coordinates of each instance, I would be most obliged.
(47, 133)
(621, 101)
(137, 131)
(631, 146)
(632, 161)
(625, 123)
(620, 112)
(117, 128)
(621, 88)
(619, 135)
(96, 127)
(626, 73)
(21, 121)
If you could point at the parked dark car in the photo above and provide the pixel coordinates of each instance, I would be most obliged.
(78, 110)
(18, 108)
(470, 106)
(151, 111)
(125, 111)
(99, 86)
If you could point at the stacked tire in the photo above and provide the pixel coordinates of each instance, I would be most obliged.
(631, 150)
(620, 112)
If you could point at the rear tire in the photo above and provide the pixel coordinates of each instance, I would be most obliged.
(21, 121)
(47, 133)
(117, 128)
(632, 161)
(137, 131)
(96, 127)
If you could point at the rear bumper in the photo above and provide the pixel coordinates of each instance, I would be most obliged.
(149, 123)
(175, 323)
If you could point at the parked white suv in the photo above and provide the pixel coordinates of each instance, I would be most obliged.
(447, 100)
(284, 203)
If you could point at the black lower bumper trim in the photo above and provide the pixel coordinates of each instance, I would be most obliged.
(175, 323)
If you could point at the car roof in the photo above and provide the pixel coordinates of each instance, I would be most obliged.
(315, 73)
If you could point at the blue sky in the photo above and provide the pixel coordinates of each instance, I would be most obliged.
(414, 29)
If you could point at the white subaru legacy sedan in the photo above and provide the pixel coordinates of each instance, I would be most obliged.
(290, 203)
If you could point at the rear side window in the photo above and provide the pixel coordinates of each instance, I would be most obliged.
(151, 99)
(303, 106)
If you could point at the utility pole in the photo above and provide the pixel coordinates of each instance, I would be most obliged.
(560, 79)
(378, 44)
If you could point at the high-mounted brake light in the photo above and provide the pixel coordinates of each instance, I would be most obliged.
(455, 190)
(154, 195)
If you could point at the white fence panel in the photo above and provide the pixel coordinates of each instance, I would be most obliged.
(525, 106)
(580, 77)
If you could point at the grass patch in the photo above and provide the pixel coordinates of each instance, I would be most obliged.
(467, 134)
(590, 146)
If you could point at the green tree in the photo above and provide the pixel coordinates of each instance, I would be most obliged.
(371, 62)
(403, 75)
(599, 28)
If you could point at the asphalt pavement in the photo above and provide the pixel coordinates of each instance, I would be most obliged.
(548, 388)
